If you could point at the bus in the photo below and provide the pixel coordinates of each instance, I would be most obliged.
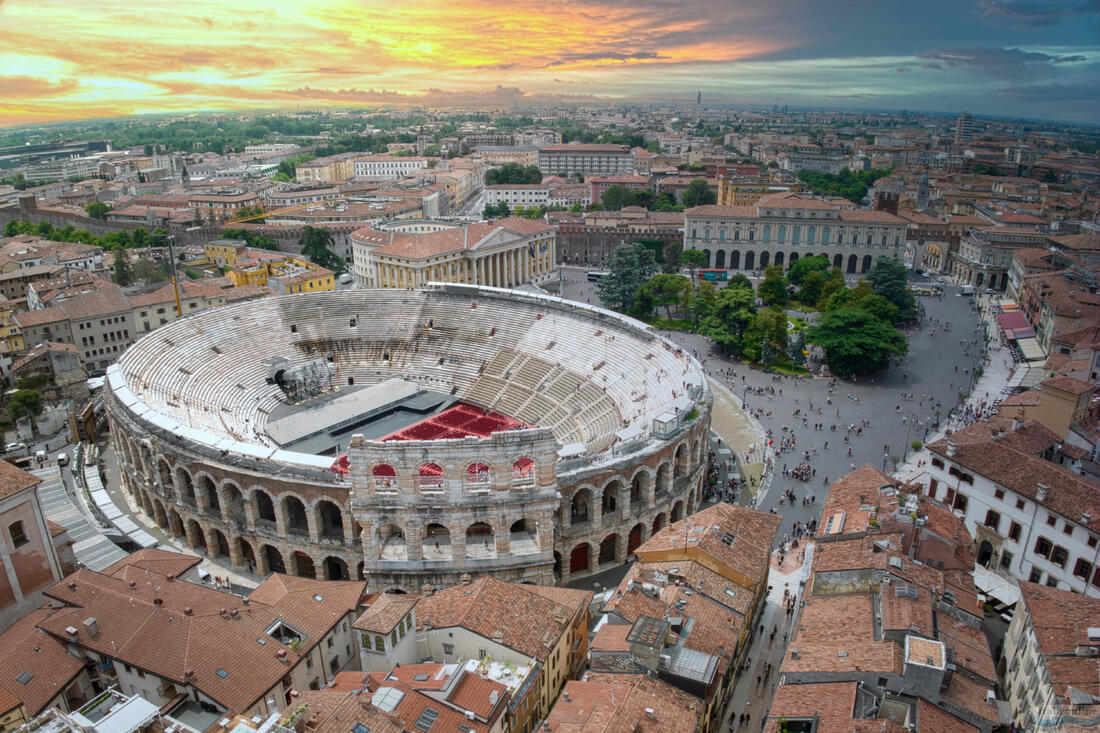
(595, 275)
(714, 275)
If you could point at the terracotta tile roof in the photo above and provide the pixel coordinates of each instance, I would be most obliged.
(832, 702)
(438, 675)
(584, 148)
(159, 561)
(338, 711)
(855, 499)
(475, 693)
(1030, 436)
(104, 301)
(869, 215)
(1061, 620)
(28, 319)
(616, 703)
(434, 244)
(970, 694)
(931, 719)
(737, 537)
(1068, 493)
(611, 638)
(384, 613)
(520, 617)
(1027, 398)
(792, 200)
(716, 210)
(902, 613)
(412, 705)
(13, 480)
(28, 650)
(1068, 384)
(186, 632)
(971, 647)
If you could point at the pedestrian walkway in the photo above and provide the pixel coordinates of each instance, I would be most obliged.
(751, 697)
(743, 434)
(994, 384)
(90, 544)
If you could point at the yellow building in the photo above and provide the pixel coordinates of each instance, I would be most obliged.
(276, 271)
(739, 193)
(295, 279)
(10, 333)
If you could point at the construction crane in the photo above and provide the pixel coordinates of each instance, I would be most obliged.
(274, 212)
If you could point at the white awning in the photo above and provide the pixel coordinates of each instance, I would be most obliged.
(994, 585)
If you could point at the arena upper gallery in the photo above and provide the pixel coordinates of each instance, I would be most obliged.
(410, 437)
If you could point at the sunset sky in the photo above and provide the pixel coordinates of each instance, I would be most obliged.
(71, 59)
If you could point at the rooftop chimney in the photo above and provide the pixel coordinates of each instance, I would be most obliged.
(234, 613)
(281, 655)
(72, 585)
(91, 627)
(133, 584)
(1016, 423)
(951, 448)
(1041, 492)
(171, 577)
(189, 673)
(187, 611)
(650, 713)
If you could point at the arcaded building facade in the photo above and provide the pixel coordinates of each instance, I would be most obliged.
(570, 435)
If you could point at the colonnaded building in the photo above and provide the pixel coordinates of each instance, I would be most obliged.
(411, 437)
(781, 228)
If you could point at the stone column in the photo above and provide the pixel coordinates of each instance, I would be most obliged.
(503, 540)
(458, 544)
(261, 561)
(368, 540)
(649, 485)
(414, 542)
(250, 514)
(211, 538)
(235, 553)
(202, 496)
(620, 548)
(593, 557)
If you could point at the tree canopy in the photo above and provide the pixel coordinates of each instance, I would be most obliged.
(317, 245)
(856, 341)
(848, 184)
(97, 209)
(806, 265)
(631, 266)
(773, 288)
(251, 238)
(24, 403)
(513, 173)
(730, 314)
(124, 271)
(699, 193)
(666, 289)
(890, 279)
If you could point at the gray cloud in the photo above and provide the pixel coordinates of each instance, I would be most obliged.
(1036, 12)
(1056, 92)
(1004, 63)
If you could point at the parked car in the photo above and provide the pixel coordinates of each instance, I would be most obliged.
(62, 459)
(13, 447)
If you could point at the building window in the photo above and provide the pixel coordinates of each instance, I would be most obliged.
(1020, 504)
(999, 493)
(481, 654)
(1059, 555)
(448, 649)
(1014, 531)
(379, 643)
(1036, 576)
(933, 484)
(1083, 568)
(993, 520)
(1051, 520)
(17, 533)
(1043, 546)
(1092, 540)
(1067, 528)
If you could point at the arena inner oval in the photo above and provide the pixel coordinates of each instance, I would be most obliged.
(410, 437)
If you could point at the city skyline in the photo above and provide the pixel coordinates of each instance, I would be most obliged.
(1036, 59)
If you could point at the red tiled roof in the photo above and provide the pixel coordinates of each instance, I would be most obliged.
(13, 480)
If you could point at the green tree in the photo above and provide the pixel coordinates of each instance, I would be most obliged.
(730, 314)
(699, 193)
(852, 185)
(513, 173)
(617, 197)
(890, 279)
(833, 284)
(773, 288)
(812, 283)
(983, 168)
(668, 290)
(879, 307)
(855, 341)
(251, 238)
(631, 266)
(98, 209)
(495, 211)
(765, 338)
(806, 265)
(25, 403)
(693, 259)
(317, 245)
(124, 271)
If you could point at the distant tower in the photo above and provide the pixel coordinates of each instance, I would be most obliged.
(699, 98)
(964, 128)
(922, 192)
(185, 179)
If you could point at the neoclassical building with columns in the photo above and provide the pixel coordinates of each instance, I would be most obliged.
(565, 435)
(781, 228)
(500, 253)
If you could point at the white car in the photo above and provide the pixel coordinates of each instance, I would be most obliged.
(12, 447)
(62, 459)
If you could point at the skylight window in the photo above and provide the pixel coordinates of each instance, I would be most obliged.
(727, 539)
(424, 722)
(222, 673)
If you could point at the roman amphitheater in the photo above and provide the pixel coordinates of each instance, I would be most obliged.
(411, 437)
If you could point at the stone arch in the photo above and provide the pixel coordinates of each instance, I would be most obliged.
(637, 488)
(853, 263)
(735, 259)
(391, 545)
(437, 542)
(232, 502)
(185, 487)
(248, 557)
(779, 259)
(681, 468)
(159, 515)
(664, 478)
(329, 520)
(764, 259)
(868, 261)
(750, 260)
(580, 506)
(206, 487)
(195, 539)
(706, 253)
(557, 565)
(523, 471)
(430, 477)
(611, 500)
(164, 473)
(522, 537)
(720, 259)
(634, 539)
(838, 261)
(221, 544)
(295, 519)
(384, 477)
(361, 570)
(335, 568)
(659, 521)
(146, 460)
(303, 565)
(793, 257)
(480, 540)
(607, 550)
(274, 559)
(477, 476)
(265, 507)
(579, 558)
(175, 523)
(677, 511)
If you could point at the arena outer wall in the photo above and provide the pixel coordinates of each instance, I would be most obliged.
(529, 514)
